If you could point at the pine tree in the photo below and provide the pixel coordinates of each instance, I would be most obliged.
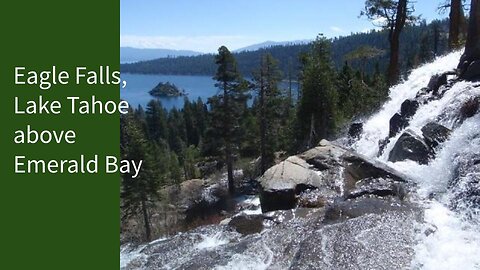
(316, 117)
(227, 107)
(346, 95)
(190, 155)
(395, 13)
(250, 134)
(156, 119)
(175, 169)
(269, 108)
(362, 54)
(177, 135)
(139, 193)
(457, 23)
(425, 54)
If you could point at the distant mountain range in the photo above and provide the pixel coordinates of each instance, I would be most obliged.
(269, 43)
(130, 55)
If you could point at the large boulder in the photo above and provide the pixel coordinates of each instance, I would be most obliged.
(472, 72)
(408, 108)
(380, 187)
(436, 81)
(470, 108)
(400, 120)
(410, 146)
(281, 184)
(397, 123)
(320, 175)
(247, 224)
(435, 134)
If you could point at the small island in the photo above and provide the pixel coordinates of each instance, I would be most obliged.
(166, 90)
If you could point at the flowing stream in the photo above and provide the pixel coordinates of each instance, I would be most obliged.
(456, 241)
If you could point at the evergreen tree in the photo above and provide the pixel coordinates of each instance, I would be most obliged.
(346, 92)
(425, 54)
(190, 154)
(175, 170)
(395, 13)
(316, 118)
(140, 193)
(156, 120)
(269, 105)
(457, 28)
(227, 107)
(362, 54)
(177, 136)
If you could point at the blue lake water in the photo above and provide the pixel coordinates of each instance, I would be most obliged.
(138, 86)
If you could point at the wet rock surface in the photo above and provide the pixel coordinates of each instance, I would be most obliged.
(400, 120)
(247, 224)
(355, 130)
(472, 72)
(435, 134)
(318, 238)
(345, 243)
(470, 107)
(397, 123)
(410, 146)
(381, 187)
(408, 108)
(436, 81)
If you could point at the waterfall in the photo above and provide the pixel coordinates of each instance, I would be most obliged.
(376, 127)
(455, 241)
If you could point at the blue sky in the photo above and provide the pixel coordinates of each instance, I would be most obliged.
(204, 25)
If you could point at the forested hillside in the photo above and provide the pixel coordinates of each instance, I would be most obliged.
(418, 44)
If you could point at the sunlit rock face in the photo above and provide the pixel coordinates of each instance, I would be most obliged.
(330, 172)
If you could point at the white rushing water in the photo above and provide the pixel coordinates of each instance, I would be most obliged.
(376, 127)
(455, 241)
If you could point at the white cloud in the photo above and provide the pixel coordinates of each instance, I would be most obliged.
(379, 21)
(336, 29)
(195, 43)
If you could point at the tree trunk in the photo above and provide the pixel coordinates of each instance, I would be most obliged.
(394, 39)
(472, 46)
(263, 124)
(312, 134)
(228, 146)
(228, 153)
(393, 69)
(457, 24)
(146, 221)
